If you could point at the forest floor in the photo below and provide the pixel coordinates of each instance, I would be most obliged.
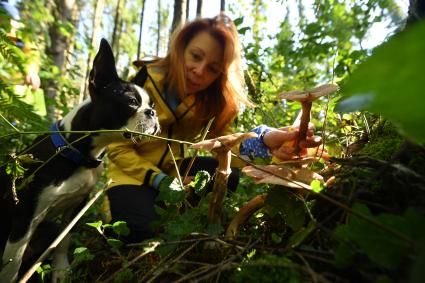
(368, 226)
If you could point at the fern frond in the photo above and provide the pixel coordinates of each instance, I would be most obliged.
(10, 52)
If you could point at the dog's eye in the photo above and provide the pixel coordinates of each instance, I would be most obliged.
(133, 102)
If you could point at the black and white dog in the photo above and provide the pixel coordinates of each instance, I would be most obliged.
(62, 183)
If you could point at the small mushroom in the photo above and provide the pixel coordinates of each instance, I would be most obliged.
(306, 98)
(221, 146)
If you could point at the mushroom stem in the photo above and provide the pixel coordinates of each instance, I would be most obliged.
(303, 128)
(222, 147)
(244, 213)
(220, 187)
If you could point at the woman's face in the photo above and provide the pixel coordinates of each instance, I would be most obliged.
(203, 58)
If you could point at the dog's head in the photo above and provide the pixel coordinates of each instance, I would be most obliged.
(117, 104)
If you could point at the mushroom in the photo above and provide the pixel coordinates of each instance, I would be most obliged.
(221, 146)
(306, 98)
(272, 174)
(296, 178)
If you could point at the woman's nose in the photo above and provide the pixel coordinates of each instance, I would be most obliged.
(199, 69)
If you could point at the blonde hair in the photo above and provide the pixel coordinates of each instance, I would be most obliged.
(223, 98)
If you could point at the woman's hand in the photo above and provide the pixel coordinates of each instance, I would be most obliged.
(33, 79)
(281, 142)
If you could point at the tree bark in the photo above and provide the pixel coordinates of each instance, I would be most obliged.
(139, 44)
(179, 14)
(187, 9)
(116, 24)
(62, 11)
(97, 25)
(199, 5)
(416, 11)
(222, 5)
(158, 33)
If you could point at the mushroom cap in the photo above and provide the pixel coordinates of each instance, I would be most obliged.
(280, 175)
(223, 143)
(309, 95)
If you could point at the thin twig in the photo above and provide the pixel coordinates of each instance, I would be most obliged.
(204, 134)
(131, 262)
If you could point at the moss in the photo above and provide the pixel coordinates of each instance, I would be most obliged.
(382, 148)
(384, 141)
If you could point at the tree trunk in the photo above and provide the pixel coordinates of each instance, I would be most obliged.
(158, 33)
(199, 8)
(179, 14)
(255, 28)
(97, 21)
(187, 9)
(116, 25)
(222, 5)
(62, 11)
(139, 44)
(416, 11)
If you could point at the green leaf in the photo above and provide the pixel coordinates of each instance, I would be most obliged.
(97, 225)
(82, 254)
(298, 237)
(390, 83)
(120, 228)
(381, 247)
(185, 224)
(316, 186)
(291, 207)
(171, 191)
(114, 243)
(201, 181)
(238, 21)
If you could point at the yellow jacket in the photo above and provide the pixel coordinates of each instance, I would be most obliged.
(137, 164)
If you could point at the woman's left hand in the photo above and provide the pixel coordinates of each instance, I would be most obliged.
(281, 142)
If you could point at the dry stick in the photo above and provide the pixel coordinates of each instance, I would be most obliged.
(172, 262)
(219, 267)
(131, 262)
(62, 235)
(175, 165)
(312, 273)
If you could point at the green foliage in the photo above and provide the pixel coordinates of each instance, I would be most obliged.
(44, 271)
(277, 268)
(119, 228)
(199, 184)
(81, 255)
(382, 248)
(292, 207)
(389, 83)
(10, 51)
(171, 191)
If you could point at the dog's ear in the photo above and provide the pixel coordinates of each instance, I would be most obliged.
(104, 70)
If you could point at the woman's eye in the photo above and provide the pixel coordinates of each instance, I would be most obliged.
(213, 70)
(133, 102)
(196, 56)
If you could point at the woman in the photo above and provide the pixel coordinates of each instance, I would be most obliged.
(200, 79)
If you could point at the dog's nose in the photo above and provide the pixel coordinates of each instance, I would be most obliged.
(149, 112)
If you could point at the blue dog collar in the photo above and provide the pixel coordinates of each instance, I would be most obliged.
(68, 151)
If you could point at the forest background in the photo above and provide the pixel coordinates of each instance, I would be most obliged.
(367, 226)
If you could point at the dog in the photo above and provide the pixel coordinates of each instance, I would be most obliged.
(70, 163)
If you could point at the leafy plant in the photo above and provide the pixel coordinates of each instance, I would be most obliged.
(389, 83)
